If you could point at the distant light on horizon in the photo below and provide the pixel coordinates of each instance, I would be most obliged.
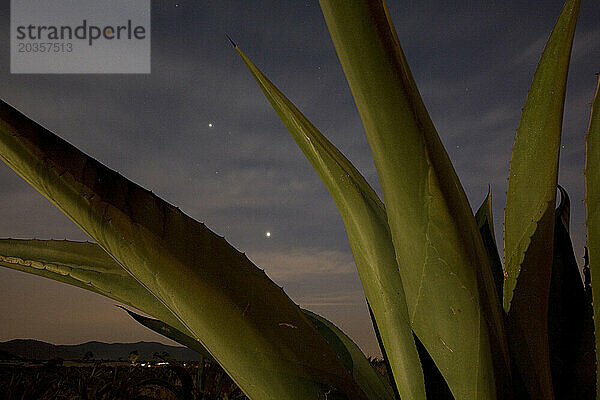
(268, 234)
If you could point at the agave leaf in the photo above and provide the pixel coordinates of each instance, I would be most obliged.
(215, 291)
(386, 361)
(369, 379)
(570, 325)
(435, 385)
(368, 232)
(534, 165)
(592, 202)
(87, 266)
(372, 382)
(485, 222)
(170, 332)
(529, 219)
(450, 291)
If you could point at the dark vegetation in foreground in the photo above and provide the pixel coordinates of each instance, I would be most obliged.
(164, 379)
(101, 380)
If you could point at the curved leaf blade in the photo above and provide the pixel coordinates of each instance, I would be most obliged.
(372, 382)
(437, 387)
(435, 384)
(368, 233)
(86, 266)
(529, 215)
(534, 166)
(449, 287)
(196, 274)
(592, 203)
(170, 332)
(386, 361)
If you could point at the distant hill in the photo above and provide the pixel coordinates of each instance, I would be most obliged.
(36, 350)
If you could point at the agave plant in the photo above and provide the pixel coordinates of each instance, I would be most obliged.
(430, 268)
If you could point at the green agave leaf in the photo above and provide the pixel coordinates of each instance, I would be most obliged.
(450, 291)
(372, 382)
(369, 379)
(485, 223)
(435, 385)
(529, 219)
(368, 232)
(386, 361)
(170, 332)
(592, 202)
(534, 165)
(87, 266)
(250, 326)
(570, 322)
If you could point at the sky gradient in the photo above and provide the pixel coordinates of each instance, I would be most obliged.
(199, 133)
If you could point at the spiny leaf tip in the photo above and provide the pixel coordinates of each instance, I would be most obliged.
(231, 41)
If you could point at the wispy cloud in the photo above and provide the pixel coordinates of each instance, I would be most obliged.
(303, 263)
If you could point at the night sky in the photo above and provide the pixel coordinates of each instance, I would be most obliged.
(198, 132)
